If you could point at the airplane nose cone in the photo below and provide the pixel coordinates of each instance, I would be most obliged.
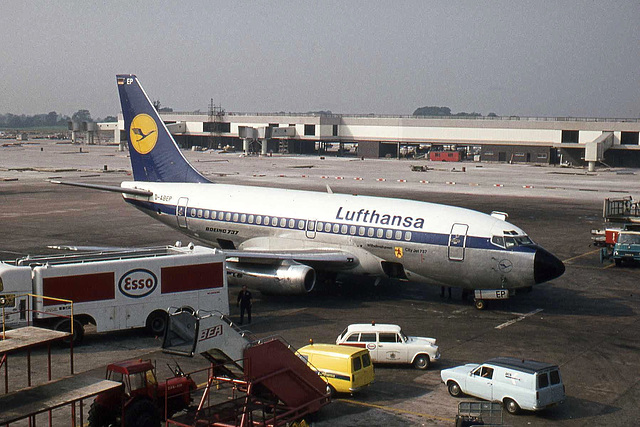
(546, 266)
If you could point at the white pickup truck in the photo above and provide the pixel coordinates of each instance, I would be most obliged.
(388, 344)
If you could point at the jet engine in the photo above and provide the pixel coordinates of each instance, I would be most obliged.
(281, 279)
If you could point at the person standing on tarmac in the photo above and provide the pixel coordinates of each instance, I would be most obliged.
(244, 301)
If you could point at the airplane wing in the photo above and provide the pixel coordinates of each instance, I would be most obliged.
(313, 257)
(336, 260)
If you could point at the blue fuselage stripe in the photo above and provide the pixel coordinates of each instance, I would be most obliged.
(421, 237)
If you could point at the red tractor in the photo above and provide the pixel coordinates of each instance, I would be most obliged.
(140, 402)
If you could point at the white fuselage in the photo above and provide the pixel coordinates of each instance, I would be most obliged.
(418, 241)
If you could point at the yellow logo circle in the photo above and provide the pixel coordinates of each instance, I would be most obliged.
(143, 133)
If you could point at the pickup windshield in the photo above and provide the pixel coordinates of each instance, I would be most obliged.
(629, 239)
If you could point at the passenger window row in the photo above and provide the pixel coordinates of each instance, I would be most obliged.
(371, 337)
(300, 224)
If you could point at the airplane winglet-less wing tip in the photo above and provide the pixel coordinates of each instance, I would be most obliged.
(112, 188)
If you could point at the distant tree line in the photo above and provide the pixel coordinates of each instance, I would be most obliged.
(52, 119)
(445, 111)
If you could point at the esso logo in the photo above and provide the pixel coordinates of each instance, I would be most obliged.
(371, 346)
(138, 283)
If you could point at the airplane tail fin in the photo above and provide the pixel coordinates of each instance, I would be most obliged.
(155, 156)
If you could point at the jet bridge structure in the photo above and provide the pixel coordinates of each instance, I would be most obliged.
(594, 150)
(267, 384)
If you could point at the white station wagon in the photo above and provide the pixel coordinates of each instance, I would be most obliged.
(388, 344)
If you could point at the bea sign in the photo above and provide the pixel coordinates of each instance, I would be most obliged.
(138, 283)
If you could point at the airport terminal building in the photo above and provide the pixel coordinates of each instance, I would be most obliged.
(544, 140)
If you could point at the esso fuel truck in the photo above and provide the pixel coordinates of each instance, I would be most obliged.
(113, 290)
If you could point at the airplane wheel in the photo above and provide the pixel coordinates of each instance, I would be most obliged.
(480, 304)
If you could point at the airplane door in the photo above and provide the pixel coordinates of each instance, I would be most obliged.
(457, 241)
(181, 212)
(311, 229)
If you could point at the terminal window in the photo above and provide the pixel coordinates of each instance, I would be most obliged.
(570, 136)
(629, 138)
(219, 127)
(310, 130)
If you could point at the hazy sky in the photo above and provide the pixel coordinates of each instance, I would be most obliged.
(537, 58)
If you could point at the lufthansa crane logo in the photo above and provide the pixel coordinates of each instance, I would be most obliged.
(505, 265)
(143, 133)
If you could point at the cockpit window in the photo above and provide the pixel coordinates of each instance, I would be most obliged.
(498, 240)
(523, 240)
(509, 241)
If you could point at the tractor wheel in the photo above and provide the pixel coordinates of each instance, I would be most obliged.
(100, 416)
(157, 322)
(142, 413)
(64, 325)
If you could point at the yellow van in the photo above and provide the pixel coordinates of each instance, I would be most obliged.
(346, 369)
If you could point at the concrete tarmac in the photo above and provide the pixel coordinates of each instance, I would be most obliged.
(585, 321)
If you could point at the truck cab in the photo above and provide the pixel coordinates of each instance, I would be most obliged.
(627, 248)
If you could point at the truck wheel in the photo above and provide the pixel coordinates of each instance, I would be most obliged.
(64, 325)
(421, 362)
(454, 389)
(480, 304)
(142, 413)
(157, 322)
(511, 406)
(331, 391)
(100, 416)
(618, 262)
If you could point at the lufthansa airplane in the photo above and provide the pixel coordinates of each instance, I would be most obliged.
(279, 241)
